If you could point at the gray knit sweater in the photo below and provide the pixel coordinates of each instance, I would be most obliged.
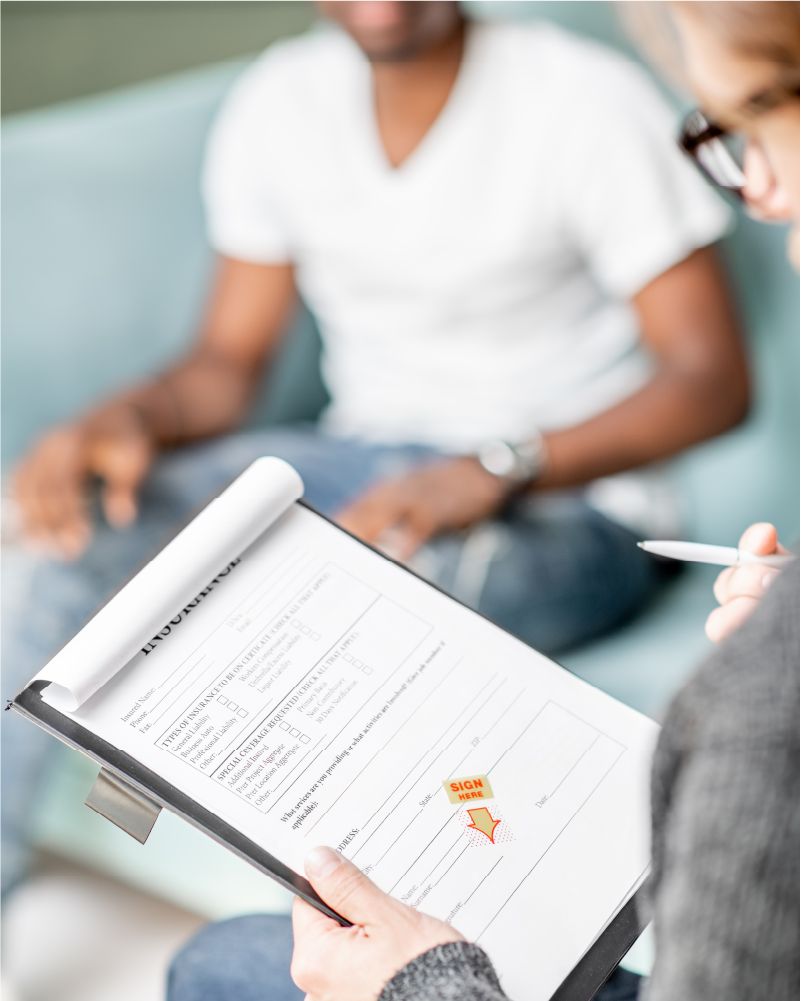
(724, 890)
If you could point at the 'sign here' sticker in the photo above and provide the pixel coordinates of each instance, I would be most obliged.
(470, 788)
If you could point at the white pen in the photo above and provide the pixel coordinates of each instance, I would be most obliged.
(724, 556)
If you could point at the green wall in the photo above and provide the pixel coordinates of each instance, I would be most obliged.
(54, 52)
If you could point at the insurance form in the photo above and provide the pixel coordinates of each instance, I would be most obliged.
(318, 693)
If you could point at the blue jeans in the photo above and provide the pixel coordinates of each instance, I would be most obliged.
(247, 959)
(552, 571)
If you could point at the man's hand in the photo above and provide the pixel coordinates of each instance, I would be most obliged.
(400, 514)
(50, 484)
(206, 393)
(740, 589)
(332, 963)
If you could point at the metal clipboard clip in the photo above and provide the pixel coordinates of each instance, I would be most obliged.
(119, 802)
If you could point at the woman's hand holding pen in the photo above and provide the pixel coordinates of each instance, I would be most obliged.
(332, 963)
(739, 589)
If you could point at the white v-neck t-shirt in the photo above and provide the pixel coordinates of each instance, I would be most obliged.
(480, 290)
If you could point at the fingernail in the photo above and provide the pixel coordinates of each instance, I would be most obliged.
(321, 862)
(769, 578)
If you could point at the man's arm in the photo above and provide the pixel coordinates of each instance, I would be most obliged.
(210, 390)
(700, 389)
(206, 393)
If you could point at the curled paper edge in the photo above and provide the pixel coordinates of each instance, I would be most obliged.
(221, 532)
(61, 698)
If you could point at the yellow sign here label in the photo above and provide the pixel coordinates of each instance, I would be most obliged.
(468, 789)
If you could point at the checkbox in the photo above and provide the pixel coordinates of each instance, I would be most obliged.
(284, 725)
(315, 636)
(222, 700)
(243, 713)
(348, 656)
(306, 631)
(296, 623)
(233, 706)
(304, 738)
(368, 670)
(358, 663)
(294, 733)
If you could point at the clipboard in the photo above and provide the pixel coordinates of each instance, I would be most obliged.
(131, 795)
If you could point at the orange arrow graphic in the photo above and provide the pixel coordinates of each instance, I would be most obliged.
(484, 822)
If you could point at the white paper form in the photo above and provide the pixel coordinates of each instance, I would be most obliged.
(321, 695)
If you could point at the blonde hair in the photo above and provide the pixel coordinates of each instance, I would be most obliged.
(765, 29)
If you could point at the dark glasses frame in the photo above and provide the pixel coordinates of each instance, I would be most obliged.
(699, 132)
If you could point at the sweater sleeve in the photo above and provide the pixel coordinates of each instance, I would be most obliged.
(725, 803)
(457, 971)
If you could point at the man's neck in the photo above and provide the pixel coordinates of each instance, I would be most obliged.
(410, 95)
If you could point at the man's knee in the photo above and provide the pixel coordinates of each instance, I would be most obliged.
(560, 581)
(245, 958)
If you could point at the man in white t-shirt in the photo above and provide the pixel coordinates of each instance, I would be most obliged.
(505, 258)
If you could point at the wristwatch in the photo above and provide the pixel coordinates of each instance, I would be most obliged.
(517, 464)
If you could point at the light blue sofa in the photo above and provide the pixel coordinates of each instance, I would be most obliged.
(104, 270)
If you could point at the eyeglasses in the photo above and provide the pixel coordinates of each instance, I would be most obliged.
(717, 153)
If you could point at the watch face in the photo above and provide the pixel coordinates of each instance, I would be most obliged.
(498, 458)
